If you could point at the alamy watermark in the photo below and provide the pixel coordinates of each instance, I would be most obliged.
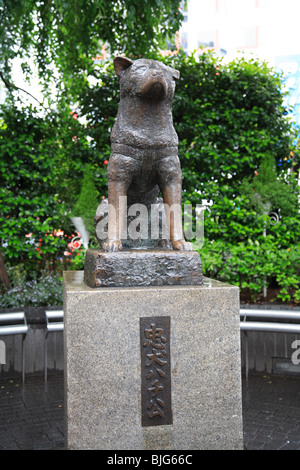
(2, 353)
(296, 354)
(144, 222)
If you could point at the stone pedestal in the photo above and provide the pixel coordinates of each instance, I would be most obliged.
(152, 368)
(142, 268)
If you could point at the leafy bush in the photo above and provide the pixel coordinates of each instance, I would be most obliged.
(251, 264)
(266, 192)
(88, 200)
(228, 116)
(42, 167)
(237, 150)
(44, 291)
(230, 120)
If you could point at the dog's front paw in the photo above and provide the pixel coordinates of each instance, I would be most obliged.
(164, 243)
(112, 245)
(182, 245)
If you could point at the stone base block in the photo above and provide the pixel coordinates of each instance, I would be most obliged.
(152, 368)
(142, 268)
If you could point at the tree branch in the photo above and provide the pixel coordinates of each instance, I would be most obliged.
(46, 8)
(3, 273)
(11, 85)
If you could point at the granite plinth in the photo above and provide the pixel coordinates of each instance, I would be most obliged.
(142, 268)
(103, 366)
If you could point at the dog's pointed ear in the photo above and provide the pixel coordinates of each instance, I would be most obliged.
(176, 74)
(121, 64)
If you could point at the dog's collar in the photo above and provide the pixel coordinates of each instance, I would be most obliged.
(136, 152)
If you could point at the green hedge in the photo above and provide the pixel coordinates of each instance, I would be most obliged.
(231, 122)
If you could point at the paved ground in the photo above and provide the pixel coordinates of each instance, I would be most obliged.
(31, 415)
(271, 412)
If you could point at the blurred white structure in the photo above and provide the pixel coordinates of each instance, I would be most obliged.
(267, 28)
(264, 29)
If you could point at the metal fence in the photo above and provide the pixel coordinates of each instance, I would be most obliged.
(270, 341)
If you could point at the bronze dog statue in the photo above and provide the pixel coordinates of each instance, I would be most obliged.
(144, 147)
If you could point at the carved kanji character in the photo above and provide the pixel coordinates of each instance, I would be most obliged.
(155, 409)
(155, 358)
(154, 337)
(156, 387)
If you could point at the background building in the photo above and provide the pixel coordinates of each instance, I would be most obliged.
(266, 29)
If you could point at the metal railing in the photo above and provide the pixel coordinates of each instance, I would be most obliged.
(15, 324)
(269, 324)
(54, 322)
(276, 321)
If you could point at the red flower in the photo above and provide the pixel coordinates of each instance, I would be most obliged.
(105, 162)
(58, 233)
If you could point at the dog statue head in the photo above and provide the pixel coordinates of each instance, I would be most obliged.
(145, 78)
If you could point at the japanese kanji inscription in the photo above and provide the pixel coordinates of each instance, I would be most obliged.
(156, 371)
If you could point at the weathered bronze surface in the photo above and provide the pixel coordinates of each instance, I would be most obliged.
(144, 147)
(156, 371)
(142, 241)
(143, 163)
(142, 268)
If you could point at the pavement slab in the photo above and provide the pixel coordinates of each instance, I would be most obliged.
(32, 414)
